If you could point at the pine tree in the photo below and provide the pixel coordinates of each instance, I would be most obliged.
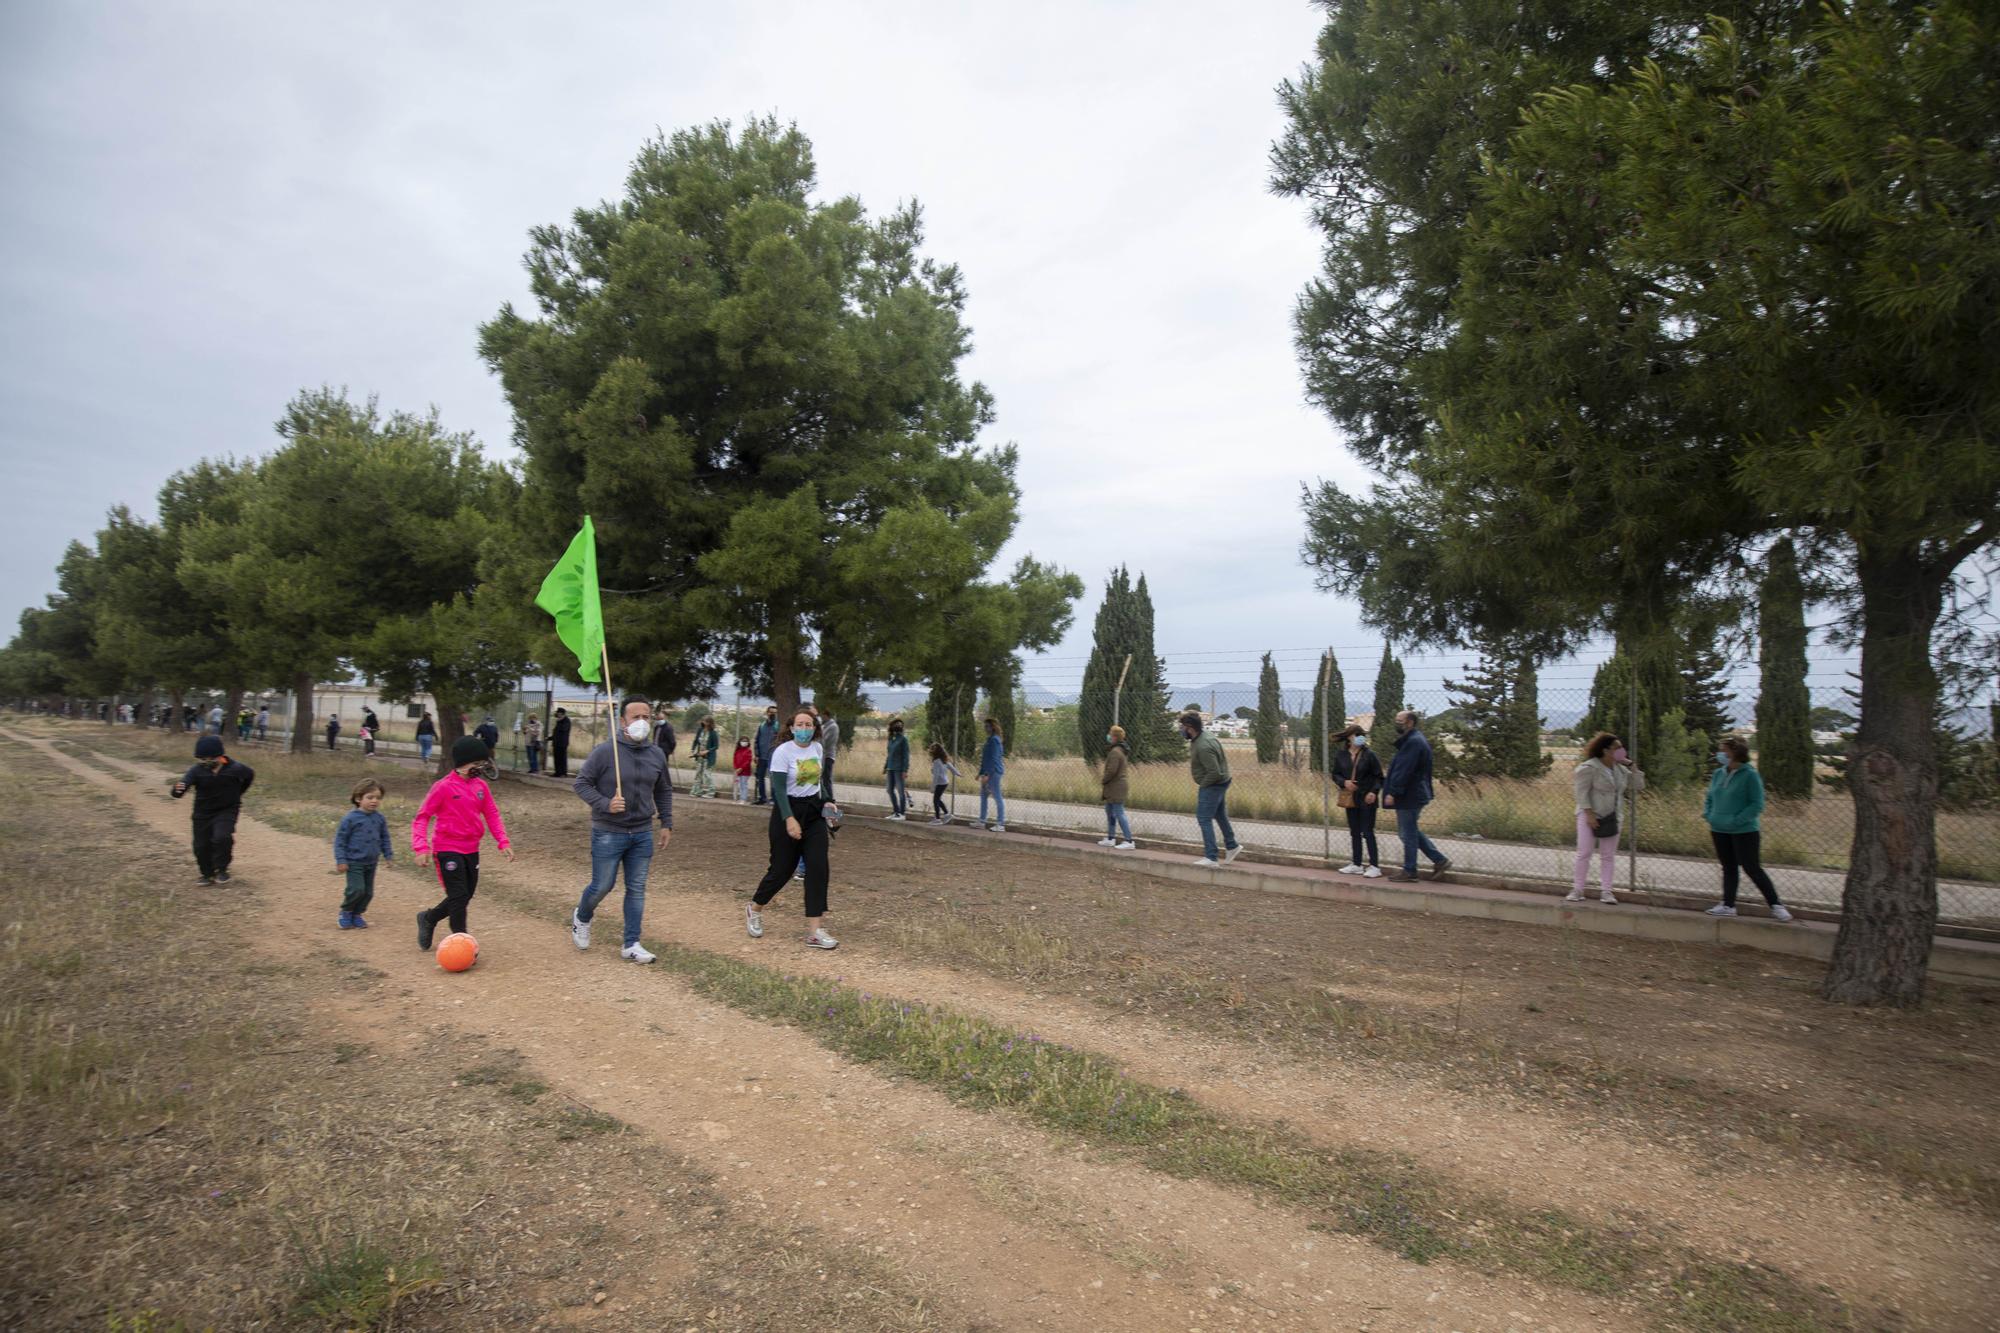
(1705, 696)
(1784, 705)
(1270, 714)
(1124, 626)
(1389, 699)
(1482, 704)
(1329, 709)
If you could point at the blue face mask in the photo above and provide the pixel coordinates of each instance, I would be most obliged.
(803, 735)
(1722, 757)
(1108, 740)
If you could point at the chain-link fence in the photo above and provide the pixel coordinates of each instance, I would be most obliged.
(1510, 815)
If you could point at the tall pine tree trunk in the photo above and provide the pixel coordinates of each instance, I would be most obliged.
(1889, 909)
(450, 726)
(302, 712)
(785, 680)
(177, 700)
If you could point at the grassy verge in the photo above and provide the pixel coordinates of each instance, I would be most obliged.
(1386, 1200)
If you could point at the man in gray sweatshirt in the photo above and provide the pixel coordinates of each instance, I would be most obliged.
(620, 826)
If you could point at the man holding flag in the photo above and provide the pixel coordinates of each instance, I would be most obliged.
(620, 825)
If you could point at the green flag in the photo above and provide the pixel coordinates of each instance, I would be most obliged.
(569, 594)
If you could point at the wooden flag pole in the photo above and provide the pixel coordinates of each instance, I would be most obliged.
(617, 723)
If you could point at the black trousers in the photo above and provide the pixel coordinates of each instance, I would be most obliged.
(815, 842)
(559, 759)
(214, 840)
(458, 873)
(1741, 851)
(937, 799)
(1361, 833)
(360, 887)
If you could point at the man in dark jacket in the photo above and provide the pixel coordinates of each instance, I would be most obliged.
(559, 745)
(766, 742)
(620, 832)
(489, 733)
(1407, 790)
(218, 783)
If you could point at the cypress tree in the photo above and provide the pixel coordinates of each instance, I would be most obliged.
(1482, 703)
(1124, 625)
(1264, 728)
(1001, 680)
(1148, 716)
(1525, 757)
(1784, 705)
(1705, 696)
(1329, 709)
(942, 725)
(1389, 699)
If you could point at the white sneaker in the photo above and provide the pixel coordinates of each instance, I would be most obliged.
(819, 939)
(753, 921)
(1372, 872)
(1573, 896)
(999, 828)
(1779, 912)
(1126, 846)
(1608, 897)
(1722, 909)
(579, 932)
(1232, 853)
(1208, 861)
(635, 953)
(936, 822)
(1354, 869)
(1107, 842)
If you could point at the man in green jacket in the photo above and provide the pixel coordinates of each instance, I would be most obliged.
(1210, 767)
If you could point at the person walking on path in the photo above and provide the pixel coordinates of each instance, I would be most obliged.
(531, 738)
(1210, 767)
(942, 772)
(1602, 780)
(1357, 774)
(1407, 790)
(359, 845)
(741, 763)
(1117, 782)
(621, 832)
(333, 732)
(829, 739)
(427, 731)
(766, 742)
(896, 769)
(992, 772)
(1734, 809)
(559, 745)
(215, 719)
(463, 806)
(799, 826)
(263, 720)
(488, 732)
(703, 748)
(218, 783)
(370, 721)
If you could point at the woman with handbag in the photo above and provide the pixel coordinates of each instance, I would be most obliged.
(1357, 776)
(1602, 780)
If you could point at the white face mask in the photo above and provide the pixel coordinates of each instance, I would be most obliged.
(638, 728)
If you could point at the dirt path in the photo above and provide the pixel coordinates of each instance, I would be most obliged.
(1017, 1225)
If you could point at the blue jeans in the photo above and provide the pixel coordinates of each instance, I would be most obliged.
(1210, 809)
(1413, 838)
(534, 756)
(991, 787)
(1115, 821)
(899, 792)
(424, 746)
(608, 851)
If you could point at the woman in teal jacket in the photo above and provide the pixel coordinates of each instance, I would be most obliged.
(897, 766)
(1734, 805)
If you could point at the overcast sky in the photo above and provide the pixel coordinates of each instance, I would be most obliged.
(209, 207)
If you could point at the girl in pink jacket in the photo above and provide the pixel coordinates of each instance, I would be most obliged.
(464, 810)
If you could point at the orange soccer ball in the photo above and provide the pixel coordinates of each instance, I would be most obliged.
(458, 952)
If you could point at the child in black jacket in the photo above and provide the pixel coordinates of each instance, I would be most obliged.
(218, 783)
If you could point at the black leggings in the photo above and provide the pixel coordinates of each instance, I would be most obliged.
(458, 872)
(937, 799)
(814, 843)
(214, 841)
(1361, 832)
(1740, 850)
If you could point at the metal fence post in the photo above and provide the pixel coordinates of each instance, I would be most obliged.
(1632, 747)
(1320, 721)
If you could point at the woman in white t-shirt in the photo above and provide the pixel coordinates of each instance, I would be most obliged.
(798, 828)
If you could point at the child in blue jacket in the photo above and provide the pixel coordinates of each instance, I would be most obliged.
(359, 844)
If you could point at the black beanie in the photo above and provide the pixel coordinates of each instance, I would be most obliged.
(208, 747)
(468, 750)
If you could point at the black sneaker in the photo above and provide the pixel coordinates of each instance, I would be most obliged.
(1438, 868)
(425, 929)
(208, 879)
(222, 877)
